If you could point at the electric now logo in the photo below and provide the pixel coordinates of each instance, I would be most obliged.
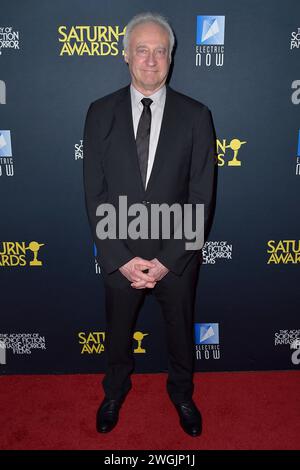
(2, 92)
(210, 40)
(97, 266)
(210, 30)
(5, 144)
(298, 156)
(2, 353)
(207, 333)
(6, 160)
(207, 341)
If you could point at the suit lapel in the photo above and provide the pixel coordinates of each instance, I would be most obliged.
(124, 115)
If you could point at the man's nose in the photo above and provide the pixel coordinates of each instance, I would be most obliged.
(151, 58)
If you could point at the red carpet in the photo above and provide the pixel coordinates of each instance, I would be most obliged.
(242, 410)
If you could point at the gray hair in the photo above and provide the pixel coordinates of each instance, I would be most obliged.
(149, 17)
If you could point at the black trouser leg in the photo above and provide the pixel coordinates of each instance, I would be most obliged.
(122, 307)
(176, 296)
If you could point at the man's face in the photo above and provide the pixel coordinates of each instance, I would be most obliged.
(148, 57)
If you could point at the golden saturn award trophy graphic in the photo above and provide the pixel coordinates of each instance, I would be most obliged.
(34, 247)
(138, 336)
(235, 145)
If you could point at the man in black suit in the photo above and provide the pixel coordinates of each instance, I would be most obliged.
(153, 145)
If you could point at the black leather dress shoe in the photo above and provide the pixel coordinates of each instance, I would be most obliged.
(108, 415)
(190, 418)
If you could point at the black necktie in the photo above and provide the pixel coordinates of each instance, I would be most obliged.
(143, 138)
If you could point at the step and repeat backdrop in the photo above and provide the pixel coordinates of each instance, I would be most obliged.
(242, 59)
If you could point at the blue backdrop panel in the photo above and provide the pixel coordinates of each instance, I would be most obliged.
(239, 58)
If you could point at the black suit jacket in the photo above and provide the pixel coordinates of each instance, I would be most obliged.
(183, 172)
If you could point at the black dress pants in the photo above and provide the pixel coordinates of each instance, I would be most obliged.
(176, 296)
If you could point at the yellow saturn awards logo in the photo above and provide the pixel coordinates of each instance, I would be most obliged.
(139, 336)
(284, 251)
(90, 40)
(16, 254)
(94, 342)
(234, 145)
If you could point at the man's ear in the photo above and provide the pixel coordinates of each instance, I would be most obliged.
(126, 57)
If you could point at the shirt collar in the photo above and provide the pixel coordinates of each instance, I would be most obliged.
(157, 97)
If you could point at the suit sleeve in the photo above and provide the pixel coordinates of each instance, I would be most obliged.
(174, 255)
(111, 253)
